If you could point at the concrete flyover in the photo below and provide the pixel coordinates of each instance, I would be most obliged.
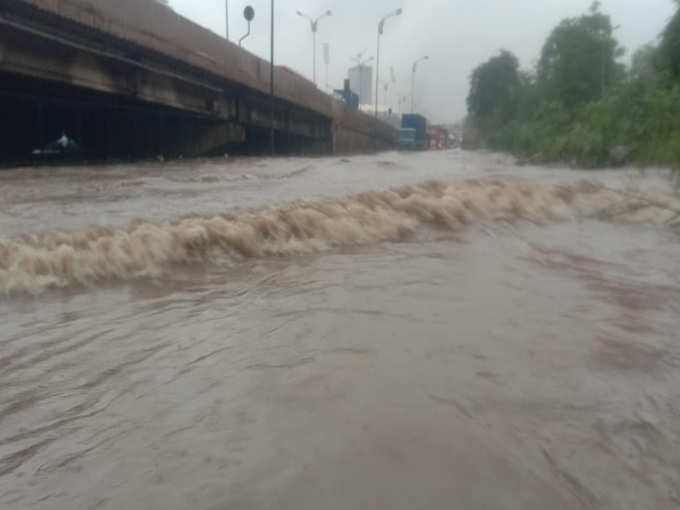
(133, 78)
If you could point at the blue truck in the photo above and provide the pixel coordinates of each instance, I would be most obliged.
(413, 132)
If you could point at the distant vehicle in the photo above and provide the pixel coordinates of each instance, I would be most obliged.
(470, 139)
(445, 139)
(406, 139)
(454, 141)
(437, 135)
(419, 124)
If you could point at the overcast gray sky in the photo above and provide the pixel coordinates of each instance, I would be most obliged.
(456, 34)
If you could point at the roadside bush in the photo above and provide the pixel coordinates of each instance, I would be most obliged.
(534, 117)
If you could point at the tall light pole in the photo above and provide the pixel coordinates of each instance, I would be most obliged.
(314, 24)
(402, 101)
(413, 81)
(271, 84)
(381, 28)
(226, 11)
(393, 81)
(327, 60)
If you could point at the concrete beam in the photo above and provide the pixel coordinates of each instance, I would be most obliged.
(156, 28)
(41, 58)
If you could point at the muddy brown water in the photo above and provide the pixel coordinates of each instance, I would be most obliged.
(438, 330)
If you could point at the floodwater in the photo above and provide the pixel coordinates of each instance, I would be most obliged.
(436, 330)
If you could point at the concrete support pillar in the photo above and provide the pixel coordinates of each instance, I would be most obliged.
(211, 139)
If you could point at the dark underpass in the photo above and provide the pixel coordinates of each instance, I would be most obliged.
(107, 127)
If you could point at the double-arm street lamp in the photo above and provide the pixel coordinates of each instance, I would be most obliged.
(381, 28)
(413, 81)
(314, 24)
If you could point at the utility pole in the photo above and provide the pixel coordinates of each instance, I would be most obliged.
(381, 28)
(377, 85)
(271, 84)
(413, 82)
(226, 10)
(314, 24)
(314, 52)
(327, 60)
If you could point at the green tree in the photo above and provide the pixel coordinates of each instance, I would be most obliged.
(670, 46)
(580, 104)
(647, 71)
(493, 90)
(578, 61)
(645, 65)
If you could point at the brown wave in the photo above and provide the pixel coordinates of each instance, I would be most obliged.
(33, 262)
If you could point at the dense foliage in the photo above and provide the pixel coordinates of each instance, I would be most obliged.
(493, 89)
(670, 46)
(580, 103)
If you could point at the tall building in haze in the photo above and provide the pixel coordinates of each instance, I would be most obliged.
(361, 83)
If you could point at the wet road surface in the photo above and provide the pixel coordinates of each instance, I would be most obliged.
(395, 331)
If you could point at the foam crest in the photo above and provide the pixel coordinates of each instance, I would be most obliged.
(33, 262)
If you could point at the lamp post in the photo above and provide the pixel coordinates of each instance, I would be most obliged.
(402, 101)
(327, 60)
(314, 24)
(381, 28)
(413, 81)
(271, 83)
(226, 11)
(393, 81)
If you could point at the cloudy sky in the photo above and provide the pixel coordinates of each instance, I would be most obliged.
(456, 35)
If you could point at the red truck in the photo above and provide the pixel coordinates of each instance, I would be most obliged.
(436, 136)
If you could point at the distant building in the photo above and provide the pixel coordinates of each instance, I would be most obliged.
(361, 83)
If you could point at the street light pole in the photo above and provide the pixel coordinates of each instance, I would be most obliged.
(327, 60)
(387, 95)
(413, 81)
(271, 84)
(402, 101)
(377, 80)
(314, 24)
(381, 28)
(226, 10)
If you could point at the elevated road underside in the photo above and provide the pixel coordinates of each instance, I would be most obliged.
(133, 79)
